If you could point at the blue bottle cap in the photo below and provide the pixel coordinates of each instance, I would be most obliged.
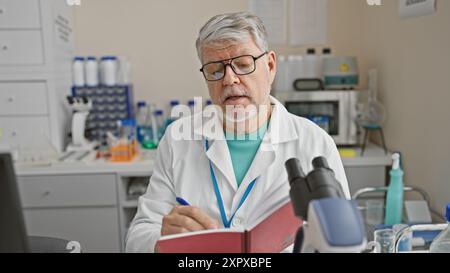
(141, 104)
(174, 102)
(158, 113)
(447, 212)
(78, 58)
(128, 122)
(209, 102)
(91, 58)
(106, 58)
(191, 102)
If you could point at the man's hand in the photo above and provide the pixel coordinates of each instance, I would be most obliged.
(186, 218)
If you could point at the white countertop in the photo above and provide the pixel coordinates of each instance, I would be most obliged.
(143, 165)
(373, 156)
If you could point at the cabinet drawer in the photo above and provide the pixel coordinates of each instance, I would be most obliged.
(26, 131)
(67, 191)
(19, 14)
(23, 98)
(21, 47)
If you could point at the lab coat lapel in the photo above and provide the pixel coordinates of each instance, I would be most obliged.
(218, 153)
(219, 156)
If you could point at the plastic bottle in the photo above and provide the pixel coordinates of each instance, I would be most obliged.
(109, 70)
(150, 140)
(78, 71)
(394, 199)
(311, 65)
(441, 244)
(159, 118)
(294, 71)
(280, 79)
(169, 119)
(326, 53)
(141, 119)
(91, 68)
(191, 104)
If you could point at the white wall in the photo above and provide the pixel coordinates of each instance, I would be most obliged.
(159, 35)
(414, 66)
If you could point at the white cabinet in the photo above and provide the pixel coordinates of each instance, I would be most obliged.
(24, 132)
(19, 14)
(80, 207)
(23, 98)
(36, 50)
(15, 47)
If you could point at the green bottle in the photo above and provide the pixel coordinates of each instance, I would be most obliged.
(394, 200)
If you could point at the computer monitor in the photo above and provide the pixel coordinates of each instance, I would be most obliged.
(13, 234)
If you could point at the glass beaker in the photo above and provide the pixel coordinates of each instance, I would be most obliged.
(374, 212)
(384, 241)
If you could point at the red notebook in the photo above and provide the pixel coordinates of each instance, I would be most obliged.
(272, 234)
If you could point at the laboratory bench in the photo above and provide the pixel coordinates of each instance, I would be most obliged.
(94, 201)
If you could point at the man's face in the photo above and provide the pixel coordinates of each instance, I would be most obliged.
(241, 90)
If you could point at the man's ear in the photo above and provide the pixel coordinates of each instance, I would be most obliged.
(272, 63)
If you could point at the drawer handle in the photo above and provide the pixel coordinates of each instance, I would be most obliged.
(1, 11)
(5, 47)
(46, 193)
(10, 99)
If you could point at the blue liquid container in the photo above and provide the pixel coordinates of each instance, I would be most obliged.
(441, 244)
(394, 199)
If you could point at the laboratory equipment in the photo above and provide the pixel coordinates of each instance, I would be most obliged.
(124, 71)
(374, 212)
(78, 71)
(311, 65)
(406, 244)
(373, 116)
(141, 120)
(191, 105)
(384, 241)
(335, 111)
(109, 104)
(109, 70)
(159, 119)
(124, 149)
(281, 76)
(441, 244)
(80, 108)
(333, 224)
(340, 72)
(91, 68)
(394, 198)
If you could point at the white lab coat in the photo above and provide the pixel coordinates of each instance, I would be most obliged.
(182, 170)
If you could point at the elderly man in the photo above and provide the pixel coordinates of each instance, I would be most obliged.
(230, 177)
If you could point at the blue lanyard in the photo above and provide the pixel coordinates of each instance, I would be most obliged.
(225, 222)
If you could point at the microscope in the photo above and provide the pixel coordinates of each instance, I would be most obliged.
(332, 224)
(80, 107)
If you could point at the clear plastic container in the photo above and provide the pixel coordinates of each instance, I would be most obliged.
(159, 118)
(441, 244)
(141, 119)
(78, 72)
(91, 68)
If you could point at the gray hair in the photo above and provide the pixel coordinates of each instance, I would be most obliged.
(232, 27)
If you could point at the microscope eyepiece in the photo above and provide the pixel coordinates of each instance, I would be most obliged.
(320, 162)
(294, 169)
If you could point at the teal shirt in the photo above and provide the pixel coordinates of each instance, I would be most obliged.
(243, 150)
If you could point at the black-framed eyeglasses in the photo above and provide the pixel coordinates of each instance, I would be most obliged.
(241, 65)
